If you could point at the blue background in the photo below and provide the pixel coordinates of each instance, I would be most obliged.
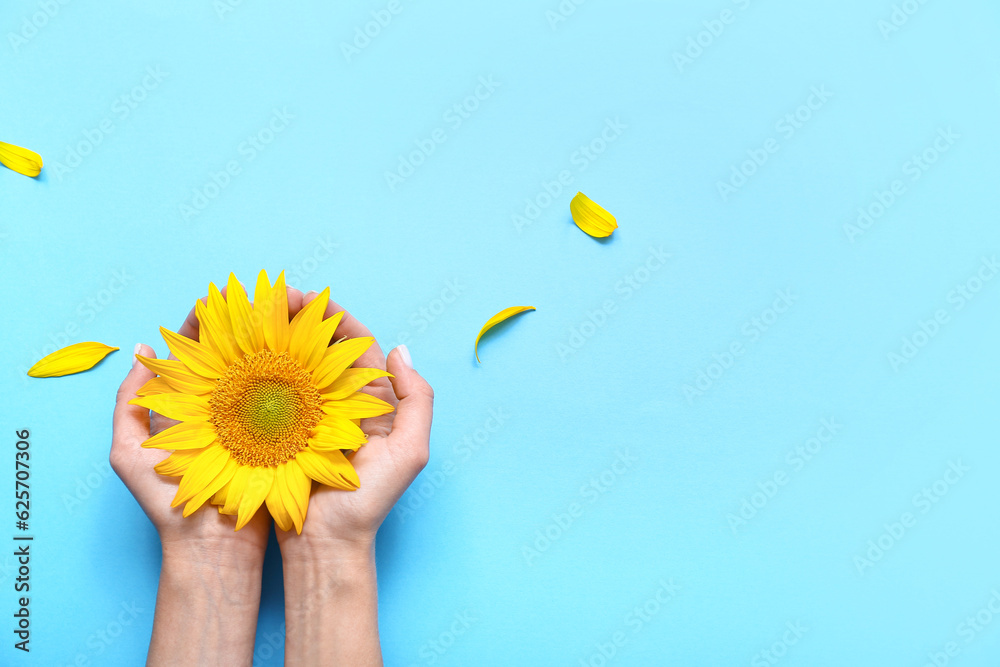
(486, 534)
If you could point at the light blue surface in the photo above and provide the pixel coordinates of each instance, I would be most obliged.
(572, 396)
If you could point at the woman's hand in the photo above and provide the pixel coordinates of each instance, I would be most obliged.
(331, 605)
(209, 594)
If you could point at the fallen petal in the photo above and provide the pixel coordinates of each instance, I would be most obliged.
(20, 159)
(504, 314)
(73, 359)
(591, 218)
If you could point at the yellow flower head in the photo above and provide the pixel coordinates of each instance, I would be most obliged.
(266, 405)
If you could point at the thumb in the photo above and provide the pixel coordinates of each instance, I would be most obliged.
(130, 425)
(411, 428)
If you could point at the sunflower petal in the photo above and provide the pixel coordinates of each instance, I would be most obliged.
(300, 330)
(319, 341)
(351, 380)
(337, 433)
(20, 159)
(220, 496)
(72, 359)
(155, 386)
(299, 487)
(337, 358)
(198, 357)
(183, 436)
(178, 462)
(200, 473)
(248, 337)
(177, 375)
(277, 507)
(270, 307)
(258, 485)
(330, 468)
(219, 326)
(235, 490)
(176, 406)
(358, 405)
(210, 489)
(591, 218)
(504, 314)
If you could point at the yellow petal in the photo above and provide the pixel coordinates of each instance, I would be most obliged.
(186, 435)
(301, 328)
(20, 159)
(219, 326)
(504, 314)
(209, 490)
(299, 487)
(351, 380)
(258, 486)
(176, 406)
(198, 357)
(176, 374)
(205, 468)
(235, 491)
(270, 308)
(330, 468)
(276, 505)
(155, 386)
(220, 496)
(358, 405)
(177, 463)
(250, 338)
(337, 433)
(338, 357)
(73, 359)
(316, 344)
(590, 217)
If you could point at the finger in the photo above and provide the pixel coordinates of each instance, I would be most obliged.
(411, 428)
(130, 424)
(350, 326)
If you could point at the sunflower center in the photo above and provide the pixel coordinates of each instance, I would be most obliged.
(264, 408)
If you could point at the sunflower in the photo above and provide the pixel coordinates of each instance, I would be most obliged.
(266, 405)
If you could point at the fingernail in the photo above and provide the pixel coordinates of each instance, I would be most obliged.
(404, 356)
(310, 295)
(137, 350)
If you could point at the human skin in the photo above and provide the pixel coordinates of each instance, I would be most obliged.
(209, 590)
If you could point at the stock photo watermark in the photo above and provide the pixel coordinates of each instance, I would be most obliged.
(121, 108)
(772, 655)
(102, 639)
(579, 160)
(364, 34)
(248, 150)
(463, 451)
(901, 14)
(922, 502)
(751, 331)
(785, 128)
(634, 622)
(434, 649)
(971, 627)
(421, 319)
(454, 117)
(624, 288)
(32, 23)
(914, 168)
(713, 29)
(795, 460)
(960, 296)
(592, 491)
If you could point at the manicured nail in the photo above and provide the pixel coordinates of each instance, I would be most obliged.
(137, 350)
(404, 356)
(310, 295)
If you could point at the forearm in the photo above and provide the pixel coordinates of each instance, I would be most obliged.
(206, 610)
(331, 609)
